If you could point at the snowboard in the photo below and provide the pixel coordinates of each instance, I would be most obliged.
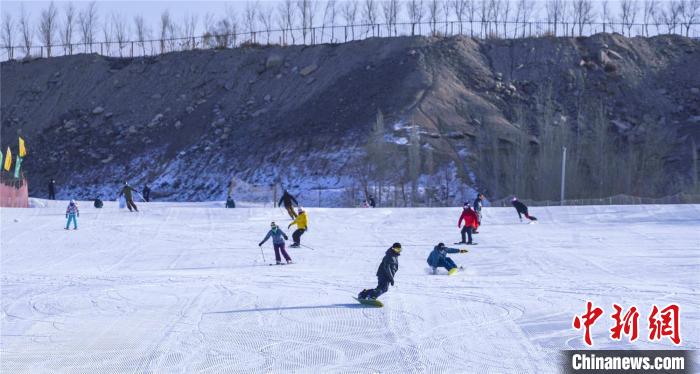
(281, 264)
(466, 243)
(370, 302)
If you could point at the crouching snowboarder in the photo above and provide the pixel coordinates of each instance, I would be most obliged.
(277, 242)
(522, 209)
(302, 226)
(438, 258)
(71, 213)
(385, 274)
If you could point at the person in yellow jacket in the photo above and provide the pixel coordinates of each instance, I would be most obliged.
(302, 226)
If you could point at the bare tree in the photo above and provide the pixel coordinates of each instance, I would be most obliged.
(25, 30)
(369, 14)
(232, 28)
(250, 17)
(8, 34)
(107, 34)
(689, 14)
(416, 11)
(671, 15)
(286, 19)
(494, 15)
(628, 12)
(460, 9)
(87, 20)
(484, 16)
(47, 26)
(330, 13)
(390, 9)
(472, 13)
(583, 13)
(304, 8)
(163, 29)
(434, 14)
(349, 12)
(505, 14)
(313, 11)
(141, 32)
(606, 16)
(265, 18)
(121, 31)
(66, 33)
(189, 27)
(649, 14)
(555, 13)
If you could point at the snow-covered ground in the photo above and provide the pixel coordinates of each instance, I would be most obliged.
(182, 288)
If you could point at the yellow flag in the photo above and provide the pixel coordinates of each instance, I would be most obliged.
(22, 150)
(8, 159)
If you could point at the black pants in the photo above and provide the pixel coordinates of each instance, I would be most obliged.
(147, 196)
(382, 287)
(290, 211)
(130, 204)
(467, 230)
(296, 236)
(52, 195)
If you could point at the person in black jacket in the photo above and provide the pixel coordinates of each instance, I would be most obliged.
(146, 193)
(288, 199)
(385, 274)
(52, 190)
(522, 209)
(371, 202)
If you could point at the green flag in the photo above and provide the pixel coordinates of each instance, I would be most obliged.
(17, 166)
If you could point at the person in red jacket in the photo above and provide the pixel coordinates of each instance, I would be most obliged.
(471, 222)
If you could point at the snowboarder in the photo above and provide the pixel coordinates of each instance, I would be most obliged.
(126, 191)
(288, 199)
(371, 201)
(146, 193)
(277, 242)
(302, 227)
(385, 274)
(478, 203)
(230, 203)
(71, 213)
(471, 222)
(522, 210)
(52, 189)
(98, 203)
(438, 258)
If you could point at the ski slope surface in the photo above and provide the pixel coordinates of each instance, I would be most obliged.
(183, 288)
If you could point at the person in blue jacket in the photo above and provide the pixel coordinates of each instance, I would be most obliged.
(438, 258)
(277, 242)
(385, 274)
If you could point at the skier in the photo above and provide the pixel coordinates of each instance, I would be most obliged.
(522, 209)
(98, 203)
(230, 203)
(277, 242)
(471, 222)
(438, 258)
(71, 213)
(478, 203)
(288, 199)
(302, 227)
(372, 203)
(52, 189)
(146, 193)
(385, 274)
(126, 191)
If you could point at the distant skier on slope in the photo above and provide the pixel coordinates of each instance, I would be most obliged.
(478, 204)
(127, 193)
(146, 193)
(52, 189)
(371, 202)
(277, 242)
(471, 222)
(385, 274)
(438, 258)
(288, 199)
(302, 226)
(71, 213)
(522, 209)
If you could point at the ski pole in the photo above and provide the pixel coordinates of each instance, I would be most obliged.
(262, 253)
(306, 246)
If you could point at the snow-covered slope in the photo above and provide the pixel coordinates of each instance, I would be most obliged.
(182, 288)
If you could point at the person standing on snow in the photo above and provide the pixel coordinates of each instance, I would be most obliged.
(371, 202)
(438, 258)
(277, 242)
(478, 203)
(52, 189)
(302, 227)
(126, 191)
(522, 210)
(288, 199)
(71, 213)
(146, 193)
(471, 222)
(385, 274)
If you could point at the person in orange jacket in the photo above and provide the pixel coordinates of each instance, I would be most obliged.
(471, 223)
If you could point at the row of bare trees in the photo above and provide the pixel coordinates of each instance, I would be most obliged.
(308, 21)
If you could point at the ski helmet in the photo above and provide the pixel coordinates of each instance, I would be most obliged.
(441, 245)
(72, 202)
(396, 247)
(514, 198)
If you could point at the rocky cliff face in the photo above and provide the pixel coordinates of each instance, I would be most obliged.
(415, 112)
